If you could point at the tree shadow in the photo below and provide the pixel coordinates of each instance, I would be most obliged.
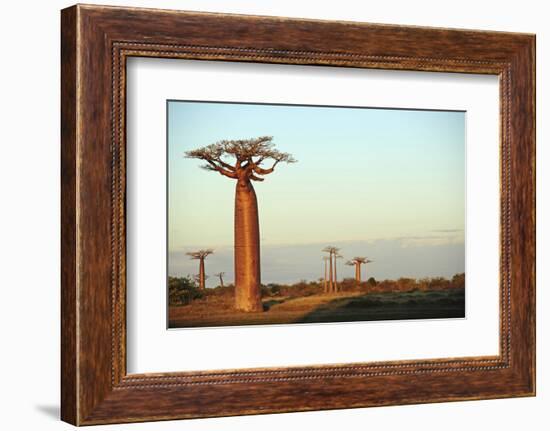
(268, 304)
(370, 307)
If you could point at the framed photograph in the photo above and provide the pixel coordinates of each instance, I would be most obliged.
(324, 214)
(345, 190)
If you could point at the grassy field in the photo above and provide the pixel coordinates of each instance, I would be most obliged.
(316, 308)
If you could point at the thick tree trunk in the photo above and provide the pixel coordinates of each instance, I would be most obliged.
(335, 276)
(325, 284)
(247, 249)
(358, 272)
(331, 281)
(202, 284)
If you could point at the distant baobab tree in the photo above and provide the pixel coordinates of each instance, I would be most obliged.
(332, 255)
(220, 276)
(245, 165)
(200, 256)
(357, 261)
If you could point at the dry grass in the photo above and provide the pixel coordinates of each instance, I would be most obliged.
(339, 307)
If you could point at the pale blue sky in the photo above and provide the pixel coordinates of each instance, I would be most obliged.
(363, 175)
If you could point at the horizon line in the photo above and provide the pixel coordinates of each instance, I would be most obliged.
(398, 238)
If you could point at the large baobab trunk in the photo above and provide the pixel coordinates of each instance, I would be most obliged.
(325, 287)
(202, 283)
(357, 272)
(247, 249)
(335, 276)
(330, 276)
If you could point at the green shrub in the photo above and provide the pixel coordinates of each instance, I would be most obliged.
(183, 290)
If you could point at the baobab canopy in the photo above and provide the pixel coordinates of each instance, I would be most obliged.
(248, 155)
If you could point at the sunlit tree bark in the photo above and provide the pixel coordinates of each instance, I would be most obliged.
(325, 279)
(242, 160)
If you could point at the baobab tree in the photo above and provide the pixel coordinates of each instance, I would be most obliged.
(220, 276)
(242, 161)
(332, 253)
(200, 256)
(357, 261)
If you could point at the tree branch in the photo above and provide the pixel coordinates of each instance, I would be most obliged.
(261, 171)
(214, 167)
(255, 178)
(225, 165)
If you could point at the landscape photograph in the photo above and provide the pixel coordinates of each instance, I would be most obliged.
(305, 214)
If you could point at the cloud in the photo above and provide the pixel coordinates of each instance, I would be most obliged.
(413, 256)
(431, 240)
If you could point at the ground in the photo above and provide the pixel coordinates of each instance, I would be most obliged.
(340, 307)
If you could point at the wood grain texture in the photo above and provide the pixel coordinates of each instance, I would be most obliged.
(96, 41)
(69, 366)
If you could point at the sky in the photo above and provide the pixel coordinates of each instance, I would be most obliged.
(384, 183)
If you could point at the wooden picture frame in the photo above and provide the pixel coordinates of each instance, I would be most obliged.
(95, 43)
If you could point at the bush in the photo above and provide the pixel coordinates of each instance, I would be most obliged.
(347, 285)
(302, 288)
(265, 291)
(227, 290)
(458, 280)
(182, 290)
(274, 288)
